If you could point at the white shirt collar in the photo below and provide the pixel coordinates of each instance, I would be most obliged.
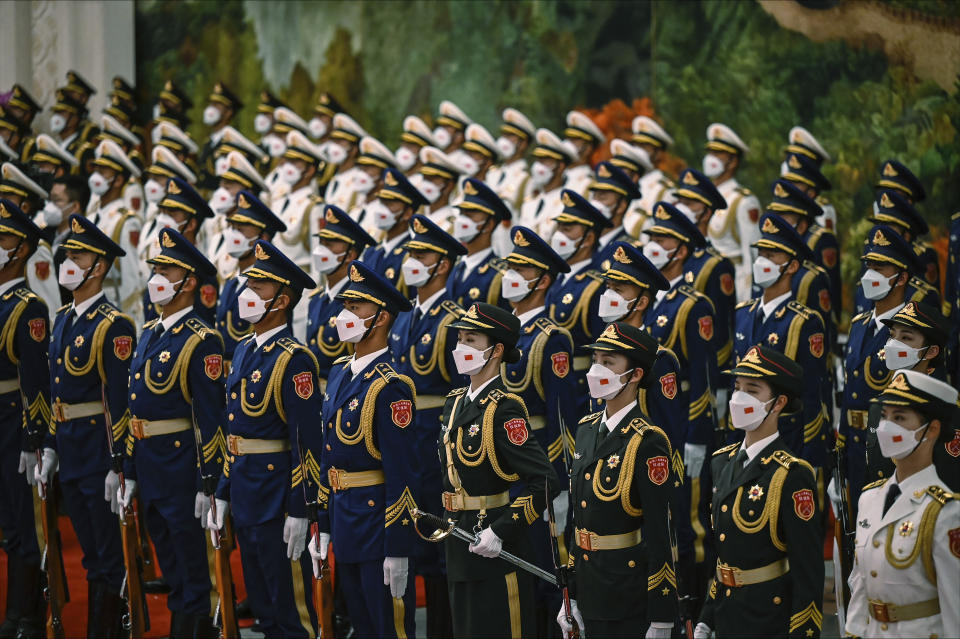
(216, 136)
(333, 289)
(576, 268)
(473, 394)
(70, 138)
(607, 237)
(302, 191)
(389, 245)
(82, 307)
(771, 306)
(472, 261)
(529, 315)
(754, 449)
(9, 285)
(886, 315)
(113, 206)
(612, 421)
(168, 322)
(357, 365)
(262, 338)
(673, 282)
(430, 301)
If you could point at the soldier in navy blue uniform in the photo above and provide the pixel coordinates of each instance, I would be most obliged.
(249, 221)
(476, 277)
(25, 390)
(340, 242)
(573, 302)
(175, 441)
(90, 350)
(184, 210)
(396, 203)
(611, 193)
(888, 260)
(273, 400)
(368, 469)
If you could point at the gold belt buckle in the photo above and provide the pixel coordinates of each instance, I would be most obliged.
(858, 419)
(136, 425)
(335, 477)
(58, 410)
(450, 502)
(880, 611)
(233, 444)
(585, 539)
(728, 575)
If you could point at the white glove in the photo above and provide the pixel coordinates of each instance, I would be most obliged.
(565, 625)
(723, 396)
(295, 536)
(702, 631)
(217, 523)
(561, 504)
(130, 489)
(833, 492)
(318, 554)
(395, 571)
(489, 545)
(693, 455)
(658, 631)
(28, 466)
(201, 506)
(111, 484)
(50, 464)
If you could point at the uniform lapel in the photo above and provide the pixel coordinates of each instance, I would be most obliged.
(753, 470)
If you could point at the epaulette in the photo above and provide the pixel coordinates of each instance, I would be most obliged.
(451, 307)
(316, 292)
(594, 274)
(386, 371)
(799, 308)
(874, 484)
(64, 307)
(744, 304)
(458, 391)
(343, 359)
(861, 316)
(922, 285)
(821, 200)
(591, 417)
(316, 199)
(813, 266)
(199, 328)
(493, 396)
(955, 216)
(546, 325)
(290, 345)
(638, 424)
(725, 449)
(742, 190)
(714, 252)
(153, 323)
(25, 294)
(689, 291)
(109, 312)
(787, 460)
(938, 493)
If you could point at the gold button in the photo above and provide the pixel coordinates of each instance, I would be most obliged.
(586, 557)
(631, 563)
(56, 379)
(230, 417)
(137, 376)
(586, 476)
(879, 473)
(93, 421)
(876, 544)
(329, 424)
(59, 360)
(873, 573)
(403, 358)
(883, 626)
(777, 600)
(233, 395)
(348, 424)
(328, 447)
(854, 395)
(856, 438)
(856, 373)
(269, 466)
(723, 536)
(232, 459)
(133, 395)
(727, 593)
(723, 508)
(370, 503)
(251, 395)
(583, 504)
(176, 444)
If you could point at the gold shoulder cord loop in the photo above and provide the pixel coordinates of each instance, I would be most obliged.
(924, 543)
(99, 334)
(273, 387)
(621, 490)
(9, 331)
(770, 515)
(178, 372)
(534, 364)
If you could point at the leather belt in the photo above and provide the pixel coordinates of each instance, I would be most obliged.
(537, 422)
(238, 445)
(582, 362)
(455, 502)
(734, 577)
(66, 412)
(144, 428)
(592, 541)
(340, 479)
(889, 613)
(9, 385)
(426, 402)
(857, 419)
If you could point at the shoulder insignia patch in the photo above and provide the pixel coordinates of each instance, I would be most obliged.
(804, 505)
(38, 328)
(517, 431)
(658, 469)
(725, 449)
(122, 347)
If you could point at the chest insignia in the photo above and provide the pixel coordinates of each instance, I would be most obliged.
(326, 397)
(389, 273)
(577, 455)
(905, 528)
(688, 277)
(773, 339)
(567, 298)
(332, 321)
(613, 461)
(164, 357)
(756, 492)
(863, 523)
(473, 430)
(426, 338)
(255, 376)
(918, 493)
(353, 404)
(741, 337)
(474, 293)
(662, 320)
(78, 342)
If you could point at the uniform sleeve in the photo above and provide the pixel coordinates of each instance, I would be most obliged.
(666, 402)
(803, 537)
(207, 391)
(518, 452)
(42, 278)
(748, 213)
(33, 369)
(946, 557)
(721, 290)
(811, 355)
(654, 496)
(560, 393)
(856, 613)
(708, 611)
(828, 256)
(115, 355)
(699, 347)
(130, 284)
(395, 412)
(301, 405)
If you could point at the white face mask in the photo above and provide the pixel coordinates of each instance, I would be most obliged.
(540, 174)
(161, 290)
(57, 123)
(157, 111)
(52, 214)
(657, 255)
(236, 243)
(275, 145)
(687, 211)
(220, 165)
(335, 153)
(350, 328)
(324, 260)
(875, 285)
(603, 208)
(765, 272)
(507, 147)
(250, 307)
(415, 272)
(262, 123)
(442, 137)
(613, 306)
(70, 275)
(784, 168)
(383, 218)
(165, 220)
(153, 190)
(465, 229)
(563, 245)
(6, 255)
(897, 442)
(429, 191)
(362, 182)
(603, 382)
(746, 411)
(290, 173)
(469, 165)
(712, 166)
(211, 115)
(98, 183)
(317, 127)
(221, 201)
(405, 158)
(898, 355)
(469, 360)
(513, 287)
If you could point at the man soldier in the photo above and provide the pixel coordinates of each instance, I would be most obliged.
(24, 388)
(586, 137)
(340, 242)
(804, 146)
(374, 158)
(165, 165)
(172, 106)
(769, 573)
(368, 468)
(321, 124)
(22, 108)
(496, 480)
(71, 125)
(552, 156)
(905, 584)
(222, 107)
(50, 160)
(271, 474)
(480, 152)
(439, 174)
(396, 203)
(654, 139)
(263, 120)
(238, 175)
(635, 163)
(621, 483)
(451, 123)
(251, 220)
(611, 193)
(416, 135)
(90, 350)
(511, 178)
(481, 214)
(341, 150)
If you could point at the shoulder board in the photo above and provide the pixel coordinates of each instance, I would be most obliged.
(151, 324)
(689, 291)
(638, 424)
(198, 327)
(861, 316)
(343, 359)
(714, 252)
(744, 304)
(25, 294)
(921, 285)
(451, 307)
(822, 199)
(938, 493)
(955, 216)
(457, 391)
(725, 449)
(591, 417)
(63, 308)
(813, 266)
(545, 324)
(125, 212)
(316, 292)
(290, 345)
(874, 484)
(494, 396)
(316, 199)
(386, 371)
(595, 275)
(799, 309)
(787, 460)
(112, 313)
(815, 233)
(743, 190)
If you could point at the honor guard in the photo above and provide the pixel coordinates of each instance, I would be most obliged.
(273, 443)
(129, 143)
(888, 260)
(480, 152)
(321, 124)
(511, 179)
(766, 519)
(951, 298)
(439, 173)
(90, 352)
(175, 444)
(541, 203)
(122, 95)
(172, 106)
(165, 166)
(451, 123)
(732, 228)
(573, 301)
(368, 468)
(396, 202)
(112, 169)
(779, 322)
(621, 482)
(172, 137)
(804, 146)
(654, 139)
(22, 108)
(50, 160)
(907, 567)
(340, 242)
(24, 387)
(341, 150)
(481, 214)
(611, 193)
(285, 121)
(416, 135)
(374, 158)
(12, 136)
(238, 175)
(251, 220)
(263, 120)
(708, 270)
(496, 481)
(222, 107)
(634, 162)
(68, 196)
(586, 137)
(71, 124)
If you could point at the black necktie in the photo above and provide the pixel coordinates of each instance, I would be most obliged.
(891, 497)
(740, 462)
(458, 271)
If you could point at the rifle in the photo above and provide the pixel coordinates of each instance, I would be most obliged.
(136, 619)
(322, 582)
(684, 602)
(562, 571)
(843, 530)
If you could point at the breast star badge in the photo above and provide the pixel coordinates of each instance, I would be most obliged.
(755, 493)
(474, 293)
(905, 529)
(662, 320)
(577, 455)
(164, 357)
(332, 321)
(79, 341)
(773, 338)
(473, 430)
(255, 376)
(613, 461)
(353, 404)
(426, 338)
(567, 298)
(515, 516)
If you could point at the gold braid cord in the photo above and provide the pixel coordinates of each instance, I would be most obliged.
(771, 510)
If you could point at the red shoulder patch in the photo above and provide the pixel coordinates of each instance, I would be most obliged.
(38, 328)
(825, 301)
(401, 411)
(208, 295)
(213, 367)
(658, 469)
(122, 347)
(561, 364)
(816, 345)
(705, 324)
(42, 269)
(754, 214)
(954, 537)
(303, 384)
(953, 446)
(726, 284)
(135, 203)
(829, 257)
(516, 430)
(134, 238)
(932, 273)
(803, 504)
(668, 385)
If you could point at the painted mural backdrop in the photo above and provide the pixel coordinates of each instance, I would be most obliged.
(865, 96)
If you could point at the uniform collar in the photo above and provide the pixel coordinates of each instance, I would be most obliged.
(614, 420)
(332, 290)
(389, 245)
(172, 320)
(474, 260)
(756, 448)
(774, 304)
(10, 285)
(262, 338)
(728, 185)
(576, 268)
(358, 365)
(473, 394)
(529, 315)
(85, 305)
(113, 206)
(673, 283)
(430, 301)
(302, 191)
(917, 483)
(877, 318)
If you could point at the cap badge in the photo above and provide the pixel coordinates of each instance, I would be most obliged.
(330, 216)
(779, 191)
(324, 98)
(793, 162)
(889, 171)
(4, 212)
(472, 313)
(885, 201)
(910, 309)
(690, 178)
(899, 383)
(621, 256)
(172, 187)
(243, 202)
(76, 227)
(260, 253)
(519, 239)
(390, 180)
(419, 226)
(769, 226)
(168, 86)
(610, 332)
(355, 274)
(167, 241)
(661, 213)
(469, 188)
(879, 239)
(566, 199)
(603, 171)
(753, 356)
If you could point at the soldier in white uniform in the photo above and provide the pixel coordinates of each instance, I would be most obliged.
(511, 179)
(480, 153)
(586, 137)
(652, 138)
(906, 572)
(635, 163)
(452, 124)
(373, 159)
(734, 229)
(321, 124)
(416, 135)
(284, 122)
(111, 129)
(802, 141)
(553, 156)
(437, 181)
(236, 174)
(342, 149)
(177, 140)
